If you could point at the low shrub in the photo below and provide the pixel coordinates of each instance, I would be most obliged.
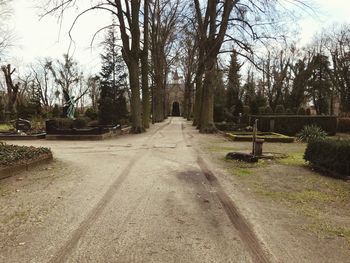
(330, 155)
(246, 110)
(343, 124)
(91, 113)
(310, 133)
(289, 111)
(64, 123)
(301, 111)
(268, 110)
(81, 122)
(11, 154)
(279, 109)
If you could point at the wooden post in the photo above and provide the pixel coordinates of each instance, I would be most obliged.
(255, 130)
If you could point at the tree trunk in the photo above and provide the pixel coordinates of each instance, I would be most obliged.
(206, 124)
(159, 93)
(12, 90)
(146, 108)
(135, 96)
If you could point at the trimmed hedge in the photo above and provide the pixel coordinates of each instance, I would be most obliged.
(11, 154)
(292, 124)
(330, 155)
(343, 124)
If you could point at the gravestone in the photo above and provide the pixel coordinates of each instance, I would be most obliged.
(22, 125)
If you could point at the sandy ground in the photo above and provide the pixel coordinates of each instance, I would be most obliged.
(161, 196)
(135, 198)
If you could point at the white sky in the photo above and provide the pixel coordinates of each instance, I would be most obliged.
(43, 38)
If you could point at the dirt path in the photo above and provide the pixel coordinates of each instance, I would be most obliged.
(139, 198)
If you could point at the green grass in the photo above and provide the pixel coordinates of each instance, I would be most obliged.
(296, 159)
(5, 127)
(241, 172)
(329, 229)
(304, 196)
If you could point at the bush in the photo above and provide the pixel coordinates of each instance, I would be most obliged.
(279, 109)
(81, 122)
(331, 155)
(11, 154)
(64, 123)
(91, 113)
(293, 124)
(56, 111)
(343, 124)
(311, 133)
(301, 111)
(261, 110)
(268, 110)
(246, 110)
(289, 111)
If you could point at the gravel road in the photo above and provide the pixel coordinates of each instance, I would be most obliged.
(135, 198)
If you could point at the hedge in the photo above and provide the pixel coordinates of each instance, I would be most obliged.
(343, 124)
(11, 154)
(292, 124)
(330, 155)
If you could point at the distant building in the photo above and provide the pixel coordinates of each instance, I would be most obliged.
(175, 94)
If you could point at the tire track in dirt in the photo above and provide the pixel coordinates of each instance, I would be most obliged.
(63, 253)
(257, 250)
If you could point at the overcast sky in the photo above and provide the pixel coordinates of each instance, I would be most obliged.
(44, 38)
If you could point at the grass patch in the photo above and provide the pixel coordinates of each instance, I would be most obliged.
(241, 172)
(296, 159)
(5, 127)
(329, 229)
(304, 196)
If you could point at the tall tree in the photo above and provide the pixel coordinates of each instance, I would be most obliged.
(212, 26)
(164, 16)
(6, 35)
(128, 17)
(233, 92)
(12, 89)
(112, 103)
(146, 106)
(188, 61)
(338, 42)
(319, 84)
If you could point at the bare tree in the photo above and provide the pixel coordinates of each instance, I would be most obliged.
(6, 35)
(164, 17)
(146, 108)
(212, 26)
(188, 61)
(12, 89)
(42, 82)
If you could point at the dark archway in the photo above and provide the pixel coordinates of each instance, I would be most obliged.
(176, 109)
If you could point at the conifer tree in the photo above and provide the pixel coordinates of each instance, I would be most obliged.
(233, 102)
(112, 103)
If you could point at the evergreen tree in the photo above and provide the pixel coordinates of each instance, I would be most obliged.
(112, 102)
(319, 84)
(219, 97)
(233, 102)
